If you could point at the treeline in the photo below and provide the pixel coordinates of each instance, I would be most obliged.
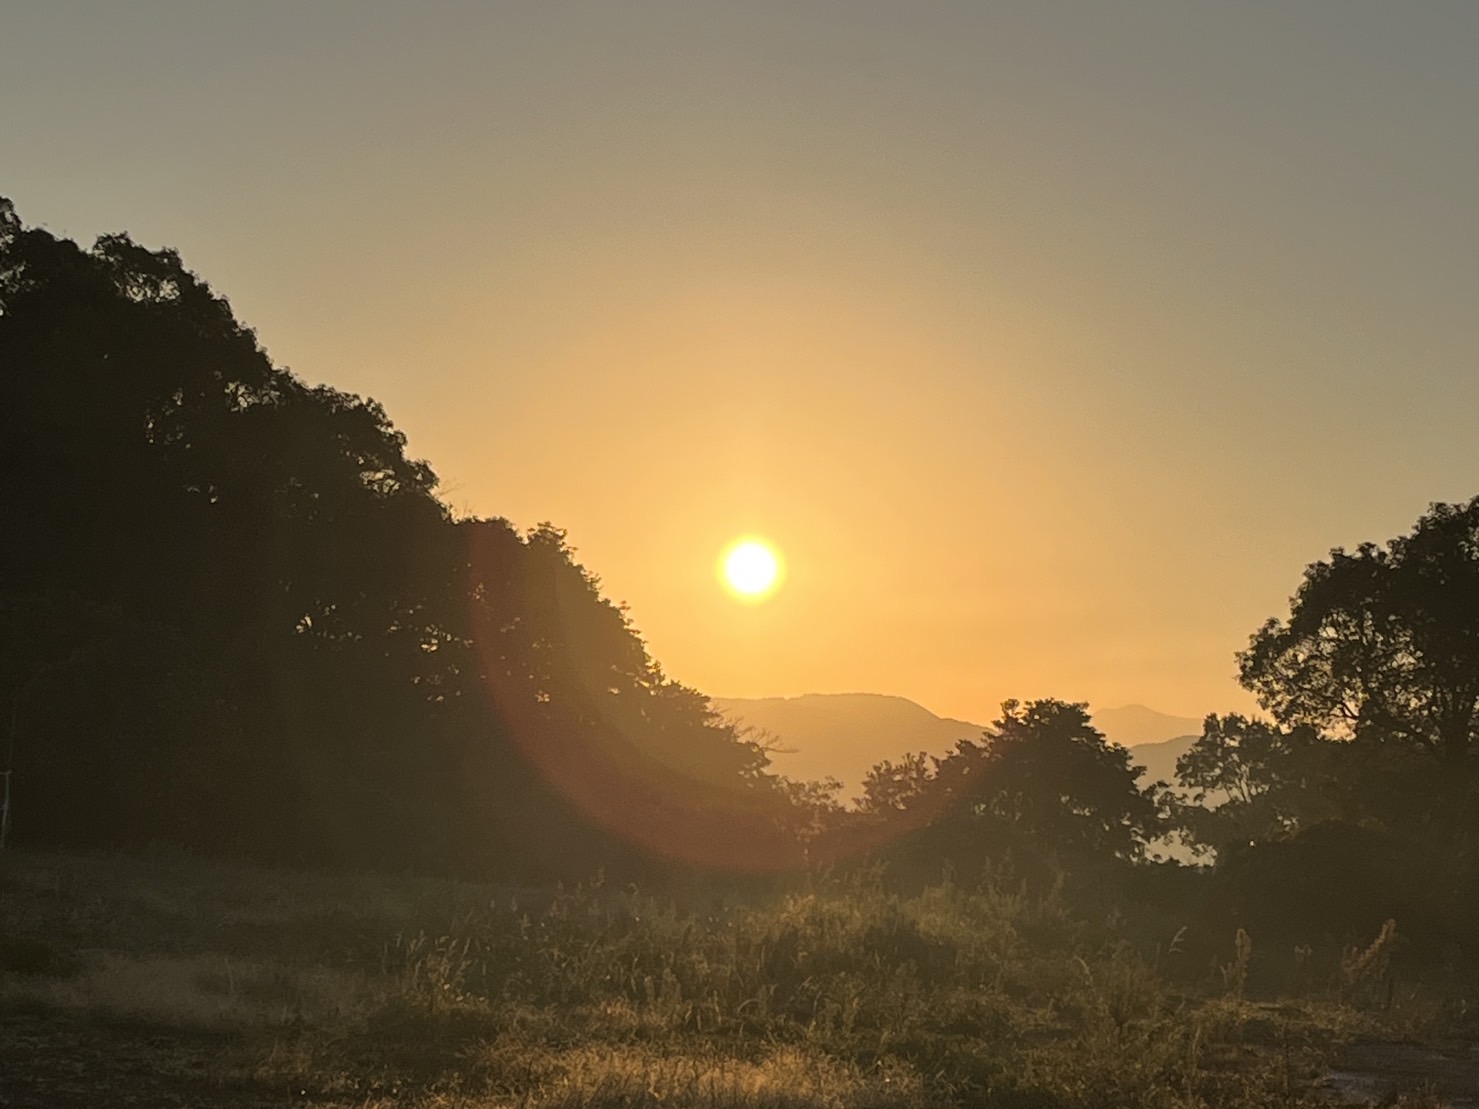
(235, 616)
(1355, 802)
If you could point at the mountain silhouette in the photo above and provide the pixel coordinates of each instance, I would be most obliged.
(1155, 739)
(844, 735)
(1135, 725)
(1159, 759)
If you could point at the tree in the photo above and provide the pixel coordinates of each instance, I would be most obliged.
(1380, 653)
(276, 639)
(1382, 645)
(1042, 792)
(1047, 771)
(894, 787)
(1263, 781)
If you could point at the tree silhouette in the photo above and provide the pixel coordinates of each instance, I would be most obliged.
(1263, 781)
(893, 787)
(1381, 650)
(1049, 772)
(274, 639)
(1363, 788)
(1041, 793)
(1383, 644)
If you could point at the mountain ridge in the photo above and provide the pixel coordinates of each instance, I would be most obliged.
(814, 736)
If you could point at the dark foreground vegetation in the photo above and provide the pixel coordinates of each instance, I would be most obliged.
(164, 981)
(237, 621)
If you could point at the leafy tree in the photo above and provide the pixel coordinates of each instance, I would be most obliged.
(273, 637)
(1382, 644)
(1048, 771)
(1368, 778)
(1041, 792)
(894, 787)
(229, 527)
(1263, 780)
(1381, 651)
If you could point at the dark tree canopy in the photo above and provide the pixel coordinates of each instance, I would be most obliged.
(1047, 769)
(1382, 644)
(237, 617)
(1251, 779)
(1362, 790)
(1040, 792)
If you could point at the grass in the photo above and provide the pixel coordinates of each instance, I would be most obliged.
(191, 983)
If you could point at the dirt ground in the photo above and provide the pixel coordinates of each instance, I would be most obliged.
(56, 1060)
(1371, 1072)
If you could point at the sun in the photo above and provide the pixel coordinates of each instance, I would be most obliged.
(751, 569)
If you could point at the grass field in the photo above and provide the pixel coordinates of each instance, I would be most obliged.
(170, 981)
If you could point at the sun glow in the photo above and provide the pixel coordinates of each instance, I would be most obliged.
(751, 569)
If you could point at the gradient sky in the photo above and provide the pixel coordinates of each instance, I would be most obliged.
(1049, 342)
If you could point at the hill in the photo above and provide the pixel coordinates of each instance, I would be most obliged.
(844, 735)
(1135, 725)
(1159, 759)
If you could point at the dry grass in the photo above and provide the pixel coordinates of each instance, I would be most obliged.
(262, 987)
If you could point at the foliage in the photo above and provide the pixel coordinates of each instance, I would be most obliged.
(1266, 781)
(238, 618)
(1043, 792)
(894, 787)
(336, 990)
(1368, 772)
(1048, 770)
(1379, 645)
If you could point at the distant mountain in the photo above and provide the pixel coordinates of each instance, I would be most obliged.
(1159, 759)
(1134, 725)
(1155, 739)
(843, 735)
(1158, 753)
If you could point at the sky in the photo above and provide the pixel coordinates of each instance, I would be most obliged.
(1048, 342)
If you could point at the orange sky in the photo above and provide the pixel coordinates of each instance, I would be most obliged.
(1048, 342)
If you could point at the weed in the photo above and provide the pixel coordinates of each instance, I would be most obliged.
(1235, 973)
(373, 992)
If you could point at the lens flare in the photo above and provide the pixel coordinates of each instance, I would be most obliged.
(621, 750)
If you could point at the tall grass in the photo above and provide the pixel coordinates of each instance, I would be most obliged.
(367, 991)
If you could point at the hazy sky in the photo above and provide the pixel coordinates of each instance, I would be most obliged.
(1049, 342)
